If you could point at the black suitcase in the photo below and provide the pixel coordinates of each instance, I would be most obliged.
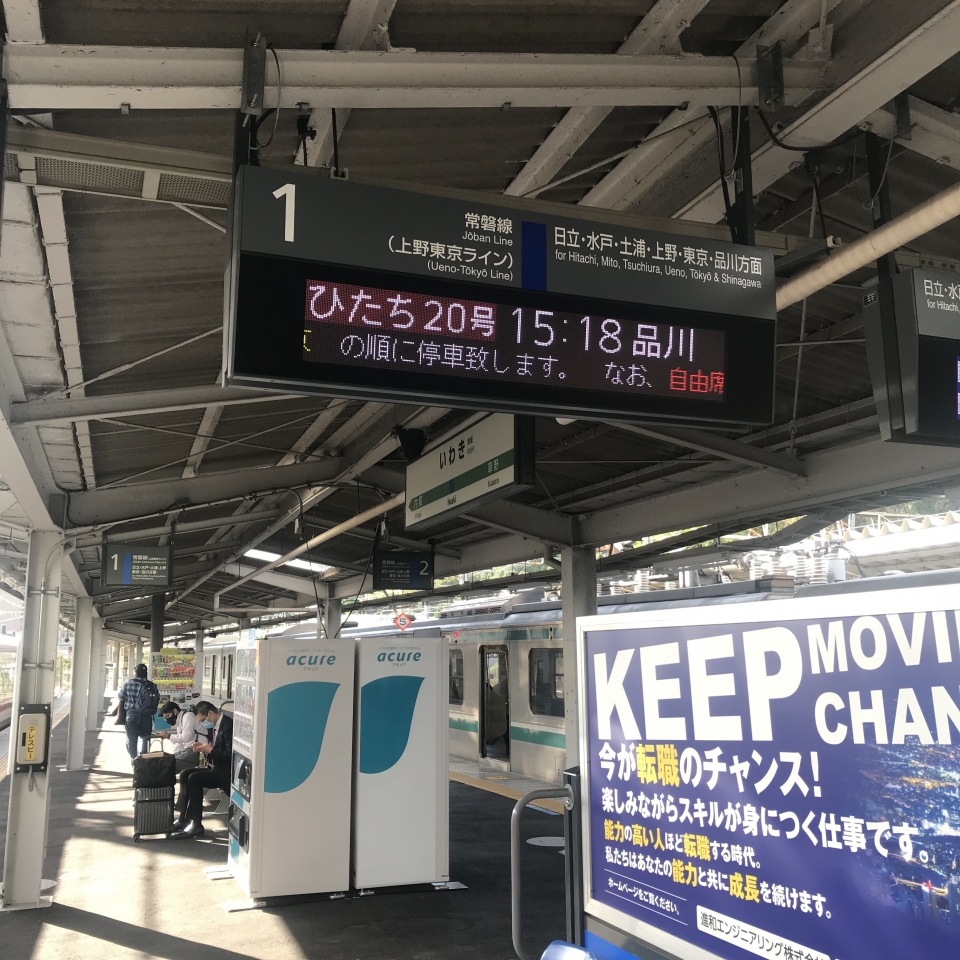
(152, 811)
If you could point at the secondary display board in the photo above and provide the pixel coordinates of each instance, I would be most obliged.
(489, 459)
(776, 779)
(353, 289)
(124, 565)
(402, 570)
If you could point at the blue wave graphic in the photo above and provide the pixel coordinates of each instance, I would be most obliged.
(296, 722)
(386, 712)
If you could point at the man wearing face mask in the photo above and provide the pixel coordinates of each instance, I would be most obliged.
(216, 772)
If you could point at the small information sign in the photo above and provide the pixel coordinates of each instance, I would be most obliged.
(402, 571)
(125, 565)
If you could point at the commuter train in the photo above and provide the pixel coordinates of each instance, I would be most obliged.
(506, 703)
(8, 668)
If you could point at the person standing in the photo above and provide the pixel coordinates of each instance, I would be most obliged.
(139, 699)
(183, 735)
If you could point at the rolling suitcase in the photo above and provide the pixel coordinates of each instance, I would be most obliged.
(152, 811)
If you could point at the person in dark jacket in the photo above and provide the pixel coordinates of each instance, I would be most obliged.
(216, 772)
(139, 699)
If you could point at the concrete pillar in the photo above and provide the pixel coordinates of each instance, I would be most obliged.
(332, 616)
(79, 683)
(198, 649)
(138, 655)
(578, 576)
(158, 603)
(29, 806)
(96, 684)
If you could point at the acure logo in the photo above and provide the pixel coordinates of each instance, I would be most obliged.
(311, 660)
(398, 657)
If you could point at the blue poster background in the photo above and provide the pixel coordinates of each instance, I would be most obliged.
(801, 874)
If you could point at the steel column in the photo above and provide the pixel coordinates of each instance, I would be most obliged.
(96, 684)
(578, 577)
(29, 806)
(332, 617)
(79, 683)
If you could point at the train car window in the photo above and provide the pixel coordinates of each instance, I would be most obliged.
(546, 682)
(229, 669)
(456, 676)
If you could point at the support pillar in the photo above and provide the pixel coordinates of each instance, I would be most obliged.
(29, 805)
(158, 604)
(332, 617)
(96, 684)
(198, 672)
(578, 577)
(138, 658)
(79, 683)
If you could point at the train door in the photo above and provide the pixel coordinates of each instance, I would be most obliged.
(494, 703)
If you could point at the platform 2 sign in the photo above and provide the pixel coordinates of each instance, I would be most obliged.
(490, 459)
(355, 289)
(776, 780)
(402, 570)
(124, 565)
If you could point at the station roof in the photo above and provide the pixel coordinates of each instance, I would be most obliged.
(117, 178)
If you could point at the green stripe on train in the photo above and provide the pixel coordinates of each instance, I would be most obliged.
(546, 738)
(471, 726)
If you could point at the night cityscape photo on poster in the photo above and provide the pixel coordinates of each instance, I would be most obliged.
(778, 778)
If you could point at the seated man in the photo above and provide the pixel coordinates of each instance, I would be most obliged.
(182, 737)
(216, 773)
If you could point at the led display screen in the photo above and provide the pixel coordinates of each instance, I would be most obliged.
(367, 290)
(456, 337)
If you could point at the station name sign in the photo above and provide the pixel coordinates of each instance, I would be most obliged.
(489, 459)
(364, 290)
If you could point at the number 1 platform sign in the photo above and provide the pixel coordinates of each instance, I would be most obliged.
(364, 290)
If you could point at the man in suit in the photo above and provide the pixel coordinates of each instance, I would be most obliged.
(216, 773)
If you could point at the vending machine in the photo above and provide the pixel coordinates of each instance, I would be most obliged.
(289, 821)
(401, 825)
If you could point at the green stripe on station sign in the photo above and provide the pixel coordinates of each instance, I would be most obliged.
(545, 738)
(463, 480)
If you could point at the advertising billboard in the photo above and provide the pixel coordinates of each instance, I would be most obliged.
(776, 779)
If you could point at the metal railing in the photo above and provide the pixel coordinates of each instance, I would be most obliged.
(564, 793)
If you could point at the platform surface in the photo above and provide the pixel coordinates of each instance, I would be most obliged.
(117, 900)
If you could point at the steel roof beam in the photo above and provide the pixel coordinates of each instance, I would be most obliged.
(658, 32)
(675, 140)
(63, 77)
(134, 500)
(141, 403)
(364, 27)
(869, 468)
(727, 449)
(887, 74)
(934, 133)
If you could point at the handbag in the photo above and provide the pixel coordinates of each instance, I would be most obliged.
(121, 715)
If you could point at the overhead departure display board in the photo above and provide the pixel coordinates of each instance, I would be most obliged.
(918, 388)
(356, 289)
